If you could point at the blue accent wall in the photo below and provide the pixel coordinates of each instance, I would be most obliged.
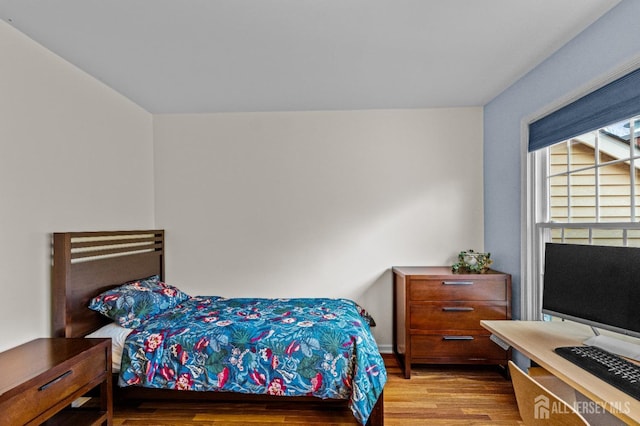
(612, 41)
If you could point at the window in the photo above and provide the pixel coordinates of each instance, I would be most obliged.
(592, 180)
(583, 178)
(588, 191)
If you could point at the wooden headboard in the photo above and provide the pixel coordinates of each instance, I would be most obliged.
(87, 263)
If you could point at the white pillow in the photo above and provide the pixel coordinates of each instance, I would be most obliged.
(118, 335)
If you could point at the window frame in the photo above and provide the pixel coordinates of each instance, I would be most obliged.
(532, 190)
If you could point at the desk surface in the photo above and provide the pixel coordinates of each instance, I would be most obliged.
(537, 339)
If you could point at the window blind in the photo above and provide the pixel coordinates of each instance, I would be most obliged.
(616, 101)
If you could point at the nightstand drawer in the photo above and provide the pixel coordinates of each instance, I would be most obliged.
(48, 390)
(458, 289)
(456, 315)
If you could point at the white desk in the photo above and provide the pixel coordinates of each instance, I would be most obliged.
(537, 339)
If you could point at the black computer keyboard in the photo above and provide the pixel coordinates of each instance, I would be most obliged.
(609, 367)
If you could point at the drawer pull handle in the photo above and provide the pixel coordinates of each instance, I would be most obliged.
(457, 282)
(457, 309)
(54, 381)
(457, 337)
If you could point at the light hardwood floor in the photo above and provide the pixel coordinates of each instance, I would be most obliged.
(435, 395)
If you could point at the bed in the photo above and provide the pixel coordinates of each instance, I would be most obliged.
(304, 350)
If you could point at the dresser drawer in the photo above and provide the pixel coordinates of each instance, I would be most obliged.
(49, 389)
(467, 347)
(458, 289)
(454, 315)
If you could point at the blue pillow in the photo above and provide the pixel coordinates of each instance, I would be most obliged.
(132, 303)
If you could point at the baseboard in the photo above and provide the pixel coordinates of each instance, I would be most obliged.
(385, 349)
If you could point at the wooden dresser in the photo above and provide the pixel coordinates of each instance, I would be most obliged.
(437, 315)
(40, 379)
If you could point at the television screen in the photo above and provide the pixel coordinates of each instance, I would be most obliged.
(594, 285)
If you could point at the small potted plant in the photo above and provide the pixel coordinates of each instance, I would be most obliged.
(471, 261)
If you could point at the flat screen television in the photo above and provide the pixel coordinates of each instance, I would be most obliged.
(594, 285)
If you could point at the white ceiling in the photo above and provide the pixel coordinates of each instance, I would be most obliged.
(191, 56)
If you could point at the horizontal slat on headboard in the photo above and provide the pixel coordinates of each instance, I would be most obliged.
(88, 263)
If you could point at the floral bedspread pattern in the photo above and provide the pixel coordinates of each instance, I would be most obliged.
(293, 347)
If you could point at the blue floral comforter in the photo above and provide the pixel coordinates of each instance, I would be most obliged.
(293, 347)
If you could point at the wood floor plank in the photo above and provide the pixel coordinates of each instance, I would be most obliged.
(435, 395)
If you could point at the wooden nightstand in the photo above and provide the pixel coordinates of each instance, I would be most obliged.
(40, 379)
(437, 316)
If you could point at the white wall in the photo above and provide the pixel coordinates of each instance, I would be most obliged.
(74, 155)
(316, 203)
(254, 204)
